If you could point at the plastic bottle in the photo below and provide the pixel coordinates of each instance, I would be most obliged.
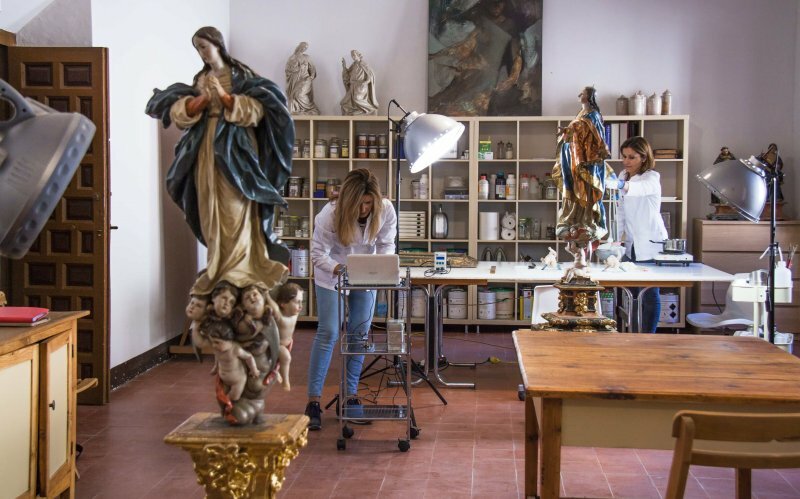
(524, 187)
(492, 185)
(783, 276)
(423, 186)
(500, 186)
(483, 187)
(535, 190)
(511, 187)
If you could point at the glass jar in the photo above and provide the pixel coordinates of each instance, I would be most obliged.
(362, 140)
(332, 187)
(536, 229)
(372, 140)
(373, 152)
(333, 149)
(500, 153)
(306, 190)
(509, 150)
(382, 140)
(524, 228)
(296, 149)
(320, 148)
(415, 189)
(361, 152)
(307, 148)
(344, 151)
(295, 188)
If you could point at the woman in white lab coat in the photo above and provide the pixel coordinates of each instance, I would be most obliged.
(639, 217)
(361, 221)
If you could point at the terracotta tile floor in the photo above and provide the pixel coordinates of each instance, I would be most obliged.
(472, 447)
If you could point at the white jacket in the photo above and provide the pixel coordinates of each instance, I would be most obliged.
(639, 216)
(327, 251)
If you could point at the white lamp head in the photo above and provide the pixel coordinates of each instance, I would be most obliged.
(739, 182)
(428, 137)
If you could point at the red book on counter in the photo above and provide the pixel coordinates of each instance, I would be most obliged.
(22, 315)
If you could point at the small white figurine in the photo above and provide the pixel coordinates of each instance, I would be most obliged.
(550, 260)
(612, 263)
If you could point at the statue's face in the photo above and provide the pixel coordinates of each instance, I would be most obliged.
(294, 306)
(223, 303)
(253, 302)
(302, 48)
(196, 308)
(207, 50)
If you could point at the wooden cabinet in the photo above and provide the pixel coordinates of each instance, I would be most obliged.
(733, 247)
(37, 417)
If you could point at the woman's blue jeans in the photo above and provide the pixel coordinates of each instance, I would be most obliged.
(360, 308)
(651, 303)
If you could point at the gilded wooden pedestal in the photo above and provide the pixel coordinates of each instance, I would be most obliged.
(241, 461)
(577, 308)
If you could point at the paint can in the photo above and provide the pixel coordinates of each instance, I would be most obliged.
(504, 299)
(300, 262)
(418, 303)
(457, 303)
(486, 304)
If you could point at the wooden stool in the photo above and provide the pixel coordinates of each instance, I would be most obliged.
(241, 461)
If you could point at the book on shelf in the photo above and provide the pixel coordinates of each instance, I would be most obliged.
(23, 316)
(666, 153)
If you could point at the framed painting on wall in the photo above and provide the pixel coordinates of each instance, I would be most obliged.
(485, 57)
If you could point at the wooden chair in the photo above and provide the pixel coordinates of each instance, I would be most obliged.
(689, 426)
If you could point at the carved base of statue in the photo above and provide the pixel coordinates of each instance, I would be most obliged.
(724, 211)
(239, 462)
(577, 308)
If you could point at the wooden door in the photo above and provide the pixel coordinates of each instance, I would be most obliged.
(67, 267)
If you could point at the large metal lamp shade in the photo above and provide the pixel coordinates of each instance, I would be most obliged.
(427, 137)
(739, 182)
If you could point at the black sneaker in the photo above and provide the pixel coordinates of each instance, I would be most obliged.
(314, 414)
(356, 410)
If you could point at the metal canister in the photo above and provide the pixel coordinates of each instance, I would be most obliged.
(295, 187)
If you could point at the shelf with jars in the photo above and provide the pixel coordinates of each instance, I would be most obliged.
(455, 184)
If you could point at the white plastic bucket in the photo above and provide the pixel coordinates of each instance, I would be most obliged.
(486, 304)
(784, 341)
(300, 262)
(418, 303)
(504, 299)
(457, 304)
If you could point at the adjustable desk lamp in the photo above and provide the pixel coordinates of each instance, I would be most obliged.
(743, 183)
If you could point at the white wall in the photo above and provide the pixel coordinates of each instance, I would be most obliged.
(391, 35)
(152, 259)
(14, 14)
(63, 23)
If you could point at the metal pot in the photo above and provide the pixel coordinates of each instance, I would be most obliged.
(676, 246)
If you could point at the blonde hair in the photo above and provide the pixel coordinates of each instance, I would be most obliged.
(356, 185)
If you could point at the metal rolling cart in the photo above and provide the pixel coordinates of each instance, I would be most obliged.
(377, 343)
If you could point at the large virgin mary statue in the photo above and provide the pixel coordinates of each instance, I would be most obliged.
(230, 165)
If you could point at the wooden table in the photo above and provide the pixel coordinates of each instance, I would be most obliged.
(622, 390)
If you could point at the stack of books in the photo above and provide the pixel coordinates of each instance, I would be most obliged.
(23, 316)
(412, 224)
(666, 153)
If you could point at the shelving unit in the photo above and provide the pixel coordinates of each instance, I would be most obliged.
(534, 140)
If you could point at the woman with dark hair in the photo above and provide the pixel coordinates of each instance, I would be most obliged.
(359, 221)
(639, 221)
(230, 165)
(581, 171)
